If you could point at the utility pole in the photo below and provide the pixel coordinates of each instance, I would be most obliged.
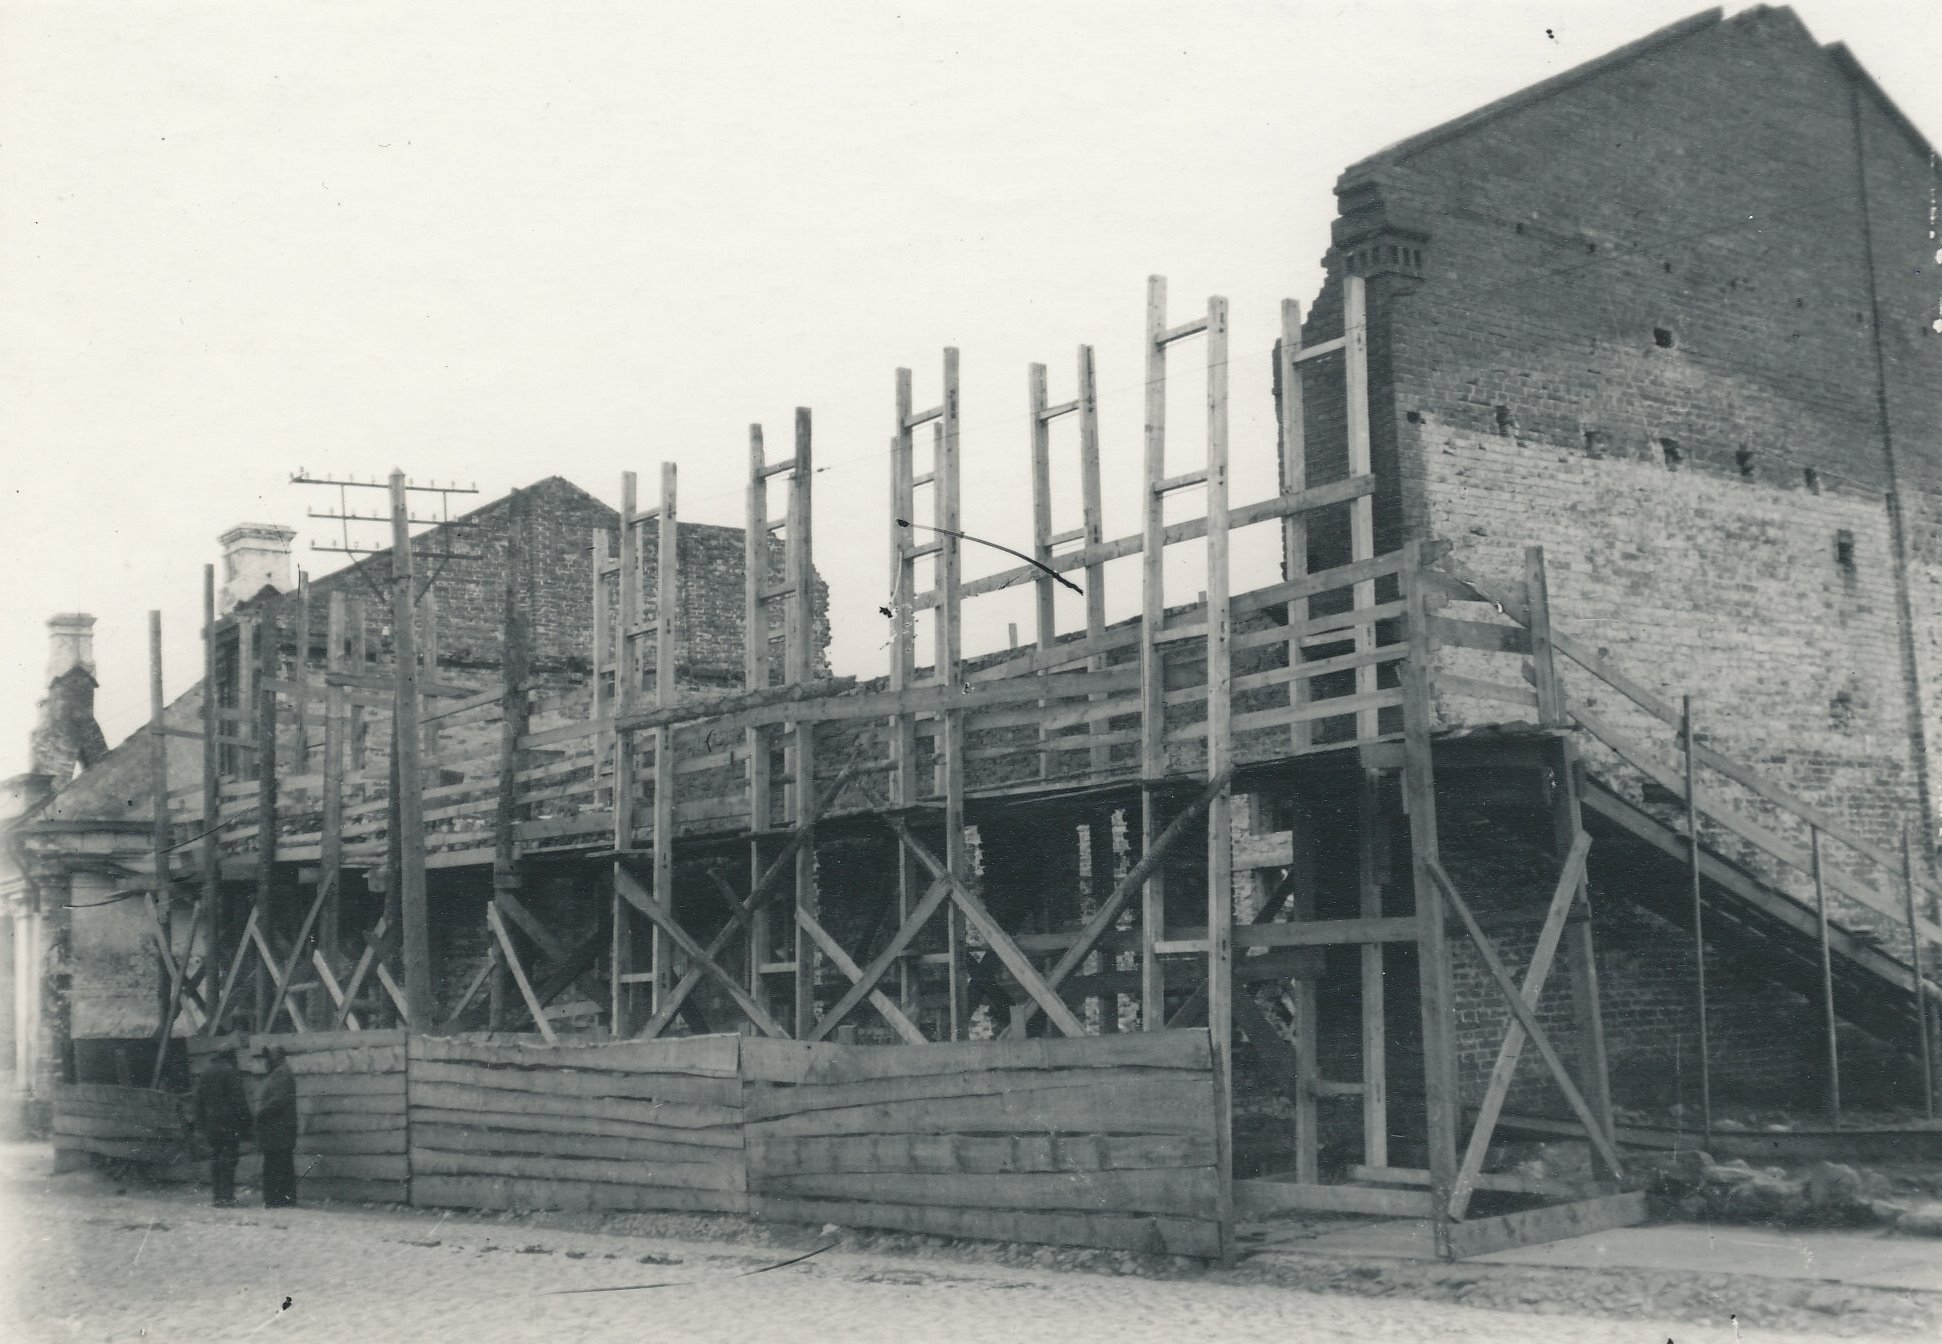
(408, 803)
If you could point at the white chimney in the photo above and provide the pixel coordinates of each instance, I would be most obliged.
(70, 643)
(255, 556)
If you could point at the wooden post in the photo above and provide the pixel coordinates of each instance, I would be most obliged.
(409, 840)
(428, 650)
(1046, 622)
(1437, 995)
(1153, 606)
(211, 788)
(1699, 917)
(515, 666)
(1291, 424)
(800, 639)
(169, 982)
(1828, 1020)
(245, 694)
(330, 838)
(1915, 975)
(1362, 535)
(667, 625)
(626, 696)
(756, 667)
(1094, 525)
(356, 734)
(950, 648)
(1308, 1069)
(300, 677)
(1372, 857)
(266, 794)
(903, 665)
(1220, 752)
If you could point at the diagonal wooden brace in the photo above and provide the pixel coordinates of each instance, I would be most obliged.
(243, 945)
(882, 1002)
(296, 951)
(277, 974)
(511, 908)
(1563, 897)
(643, 900)
(329, 981)
(1526, 1017)
(995, 936)
(935, 896)
(1107, 914)
(498, 927)
(473, 985)
(374, 949)
(767, 889)
(178, 971)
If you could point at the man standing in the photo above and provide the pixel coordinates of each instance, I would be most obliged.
(276, 1131)
(222, 1114)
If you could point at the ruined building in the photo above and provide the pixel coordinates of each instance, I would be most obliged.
(1573, 768)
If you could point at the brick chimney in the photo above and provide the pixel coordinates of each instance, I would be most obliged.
(255, 556)
(67, 739)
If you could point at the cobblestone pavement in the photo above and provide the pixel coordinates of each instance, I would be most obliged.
(82, 1260)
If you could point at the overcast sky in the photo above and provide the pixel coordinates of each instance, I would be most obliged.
(494, 242)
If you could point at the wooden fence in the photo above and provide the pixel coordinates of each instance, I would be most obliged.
(127, 1124)
(1100, 1141)
(619, 1125)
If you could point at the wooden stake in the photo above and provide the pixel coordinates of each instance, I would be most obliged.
(1220, 750)
(800, 657)
(1153, 752)
(667, 625)
(515, 666)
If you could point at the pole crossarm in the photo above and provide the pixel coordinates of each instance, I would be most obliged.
(1526, 1017)
(643, 900)
(1103, 919)
(1563, 897)
(995, 936)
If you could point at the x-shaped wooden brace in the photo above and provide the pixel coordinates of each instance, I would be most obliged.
(296, 952)
(179, 985)
(498, 926)
(767, 889)
(698, 959)
(1563, 897)
(377, 946)
(1526, 1015)
(1107, 914)
(944, 883)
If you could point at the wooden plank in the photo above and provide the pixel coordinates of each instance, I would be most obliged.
(1185, 1191)
(698, 1056)
(980, 1153)
(673, 1114)
(516, 1123)
(506, 1192)
(1264, 1199)
(1501, 1182)
(1452, 684)
(1163, 1105)
(775, 1103)
(825, 1063)
(662, 1174)
(460, 1140)
(1451, 632)
(565, 1082)
(1534, 1226)
(1156, 1235)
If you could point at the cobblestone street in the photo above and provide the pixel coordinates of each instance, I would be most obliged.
(84, 1261)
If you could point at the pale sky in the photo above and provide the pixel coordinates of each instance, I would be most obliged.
(494, 242)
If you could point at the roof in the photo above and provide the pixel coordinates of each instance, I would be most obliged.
(1670, 35)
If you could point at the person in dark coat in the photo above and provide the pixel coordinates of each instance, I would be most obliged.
(222, 1114)
(276, 1131)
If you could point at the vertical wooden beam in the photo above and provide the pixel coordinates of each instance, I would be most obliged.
(603, 650)
(1699, 916)
(1291, 423)
(1153, 606)
(1829, 1022)
(1372, 855)
(950, 648)
(626, 696)
(359, 654)
(1432, 950)
(246, 694)
(1567, 822)
(212, 725)
(300, 675)
(1362, 534)
(266, 795)
(1308, 1067)
(405, 736)
(330, 837)
(903, 665)
(667, 635)
(801, 669)
(1220, 756)
(515, 666)
(169, 982)
(1915, 975)
(1046, 618)
(428, 651)
(1094, 523)
(755, 677)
